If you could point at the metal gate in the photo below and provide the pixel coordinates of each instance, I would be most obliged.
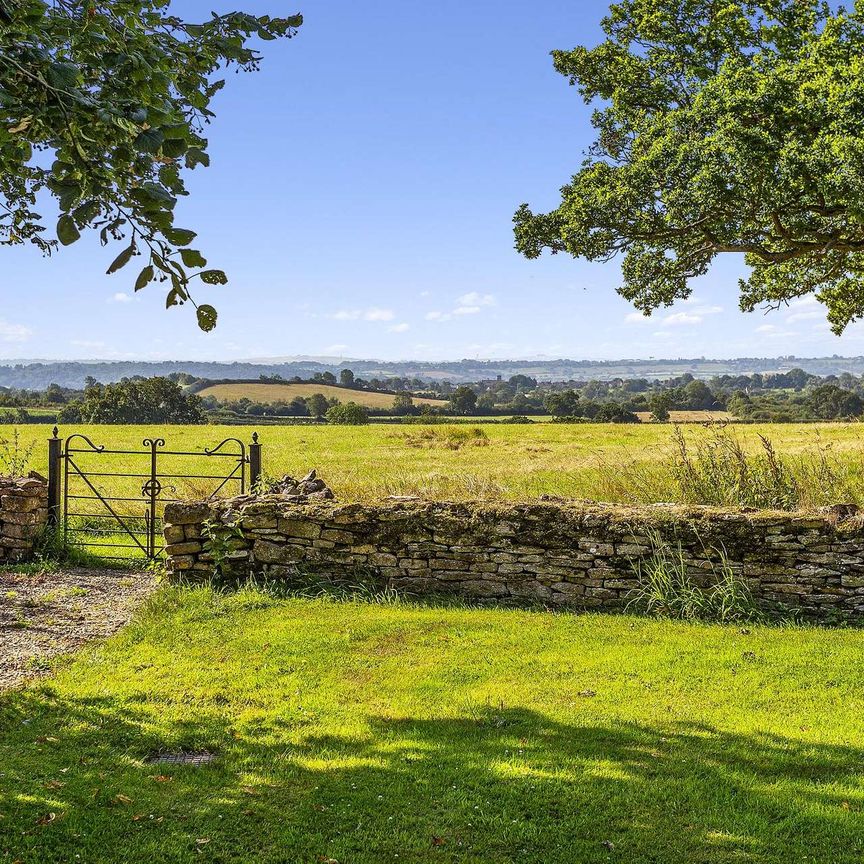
(109, 501)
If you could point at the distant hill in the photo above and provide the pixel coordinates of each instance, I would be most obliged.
(266, 392)
(37, 375)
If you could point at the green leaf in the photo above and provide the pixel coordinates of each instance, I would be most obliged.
(122, 259)
(152, 193)
(213, 277)
(196, 156)
(177, 295)
(179, 236)
(206, 317)
(193, 258)
(174, 147)
(67, 231)
(87, 211)
(144, 277)
(150, 140)
(63, 76)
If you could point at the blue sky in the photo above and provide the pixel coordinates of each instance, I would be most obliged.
(360, 198)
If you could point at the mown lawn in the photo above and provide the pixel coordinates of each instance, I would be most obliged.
(361, 732)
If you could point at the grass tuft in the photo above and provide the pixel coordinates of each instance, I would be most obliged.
(668, 589)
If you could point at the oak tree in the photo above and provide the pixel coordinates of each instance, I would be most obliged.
(722, 126)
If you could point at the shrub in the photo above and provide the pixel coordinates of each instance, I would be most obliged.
(349, 414)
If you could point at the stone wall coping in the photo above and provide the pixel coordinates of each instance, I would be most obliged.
(660, 514)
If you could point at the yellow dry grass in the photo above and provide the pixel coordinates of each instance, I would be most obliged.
(689, 416)
(261, 392)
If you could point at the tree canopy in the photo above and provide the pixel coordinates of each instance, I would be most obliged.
(103, 106)
(722, 126)
(152, 400)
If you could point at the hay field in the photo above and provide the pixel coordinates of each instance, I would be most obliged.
(260, 392)
(605, 462)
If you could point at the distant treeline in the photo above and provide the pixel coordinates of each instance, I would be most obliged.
(790, 396)
(38, 375)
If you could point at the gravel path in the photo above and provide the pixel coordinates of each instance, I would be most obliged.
(48, 613)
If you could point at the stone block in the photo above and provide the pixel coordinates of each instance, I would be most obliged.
(182, 562)
(531, 590)
(482, 588)
(187, 514)
(29, 518)
(18, 503)
(301, 528)
(382, 559)
(174, 534)
(335, 536)
(192, 547)
(276, 553)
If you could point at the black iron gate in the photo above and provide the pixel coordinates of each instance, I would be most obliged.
(109, 501)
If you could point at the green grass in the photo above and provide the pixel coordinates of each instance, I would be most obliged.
(595, 461)
(365, 733)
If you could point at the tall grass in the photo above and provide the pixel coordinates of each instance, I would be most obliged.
(667, 590)
(715, 467)
(15, 454)
(446, 437)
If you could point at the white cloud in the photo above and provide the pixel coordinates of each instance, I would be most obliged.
(120, 297)
(84, 343)
(635, 318)
(810, 315)
(379, 315)
(804, 309)
(468, 304)
(372, 314)
(693, 316)
(681, 318)
(334, 349)
(14, 332)
(399, 328)
(772, 331)
(473, 298)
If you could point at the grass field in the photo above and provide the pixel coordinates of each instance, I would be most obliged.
(600, 462)
(363, 733)
(286, 392)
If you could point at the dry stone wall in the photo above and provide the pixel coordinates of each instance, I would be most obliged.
(568, 556)
(23, 516)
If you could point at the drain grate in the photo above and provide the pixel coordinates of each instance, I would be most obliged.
(181, 757)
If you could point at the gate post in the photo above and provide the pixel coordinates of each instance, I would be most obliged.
(254, 462)
(55, 450)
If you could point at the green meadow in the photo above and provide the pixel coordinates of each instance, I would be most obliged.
(367, 732)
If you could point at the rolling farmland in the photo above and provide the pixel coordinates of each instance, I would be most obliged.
(263, 392)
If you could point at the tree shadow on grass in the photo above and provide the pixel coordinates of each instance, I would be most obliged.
(502, 785)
